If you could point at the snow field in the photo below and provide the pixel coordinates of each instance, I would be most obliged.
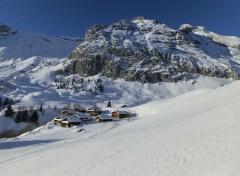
(193, 134)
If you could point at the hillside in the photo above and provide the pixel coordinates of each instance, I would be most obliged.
(200, 137)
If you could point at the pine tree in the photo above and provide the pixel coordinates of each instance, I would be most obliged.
(0, 101)
(34, 117)
(109, 105)
(101, 88)
(73, 80)
(9, 111)
(11, 102)
(25, 116)
(6, 102)
(41, 108)
(18, 117)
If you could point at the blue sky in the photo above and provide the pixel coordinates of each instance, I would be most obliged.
(73, 17)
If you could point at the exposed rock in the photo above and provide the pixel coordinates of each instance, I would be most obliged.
(144, 50)
(5, 30)
(93, 30)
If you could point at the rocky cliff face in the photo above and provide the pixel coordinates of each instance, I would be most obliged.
(147, 51)
(5, 30)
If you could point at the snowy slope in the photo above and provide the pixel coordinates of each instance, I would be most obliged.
(193, 134)
(22, 51)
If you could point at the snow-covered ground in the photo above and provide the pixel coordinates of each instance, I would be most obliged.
(196, 133)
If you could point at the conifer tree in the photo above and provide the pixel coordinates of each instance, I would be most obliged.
(9, 111)
(41, 108)
(101, 88)
(34, 117)
(109, 105)
(6, 101)
(25, 116)
(18, 117)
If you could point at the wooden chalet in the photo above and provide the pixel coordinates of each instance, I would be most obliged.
(70, 121)
(68, 112)
(58, 120)
(83, 116)
(94, 111)
(80, 109)
(103, 118)
(119, 114)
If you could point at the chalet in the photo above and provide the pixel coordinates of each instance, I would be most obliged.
(94, 111)
(119, 114)
(103, 118)
(70, 121)
(58, 120)
(68, 112)
(83, 117)
(80, 109)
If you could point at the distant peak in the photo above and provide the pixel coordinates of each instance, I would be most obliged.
(6, 30)
(144, 19)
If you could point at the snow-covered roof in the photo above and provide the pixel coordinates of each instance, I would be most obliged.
(83, 115)
(121, 111)
(81, 108)
(96, 108)
(71, 119)
(69, 110)
(60, 117)
(104, 116)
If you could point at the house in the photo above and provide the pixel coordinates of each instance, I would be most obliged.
(70, 121)
(103, 118)
(80, 109)
(94, 111)
(68, 112)
(119, 114)
(83, 116)
(58, 120)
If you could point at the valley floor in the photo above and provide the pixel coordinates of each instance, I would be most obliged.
(194, 134)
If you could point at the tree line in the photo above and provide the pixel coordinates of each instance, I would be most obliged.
(23, 114)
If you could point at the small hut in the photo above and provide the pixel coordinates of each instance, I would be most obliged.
(70, 121)
(80, 109)
(84, 117)
(58, 120)
(119, 114)
(94, 111)
(68, 112)
(103, 118)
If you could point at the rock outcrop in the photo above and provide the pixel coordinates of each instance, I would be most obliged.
(5, 30)
(145, 50)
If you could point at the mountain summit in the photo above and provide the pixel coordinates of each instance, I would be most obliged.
(5, 30)
(148, 51)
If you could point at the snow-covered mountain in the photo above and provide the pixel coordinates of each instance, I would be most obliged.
(30, 67)
(192, 127)
(19, 50)
(147, 51)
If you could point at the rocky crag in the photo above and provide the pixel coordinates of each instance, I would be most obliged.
(148, 51)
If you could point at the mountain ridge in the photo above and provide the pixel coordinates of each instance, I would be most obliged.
(147, 51)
